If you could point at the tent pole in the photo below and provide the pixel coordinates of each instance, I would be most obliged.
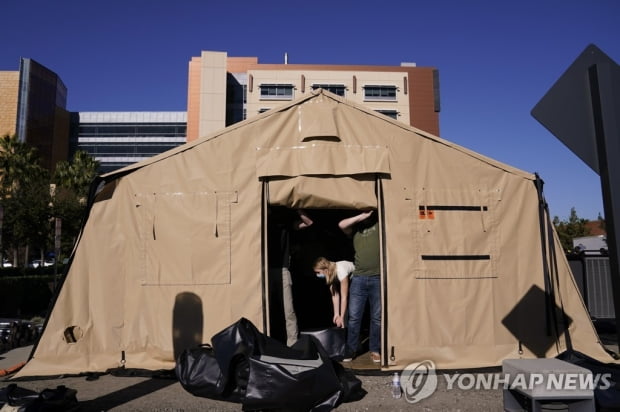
(263, 261)
(383, 277)
(549, 293)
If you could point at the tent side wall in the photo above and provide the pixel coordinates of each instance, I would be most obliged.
(170, 258)
(465, 273)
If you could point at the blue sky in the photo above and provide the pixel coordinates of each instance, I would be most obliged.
(496, 59)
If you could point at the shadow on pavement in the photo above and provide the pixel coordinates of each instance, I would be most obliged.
(128, 394)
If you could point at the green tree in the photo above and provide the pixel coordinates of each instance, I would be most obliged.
(601, 222)
(28, 217)
(571, 228)
(72, 180)
(25, 197)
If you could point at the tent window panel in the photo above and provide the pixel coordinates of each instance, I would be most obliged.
(456, 235)
(186, 238)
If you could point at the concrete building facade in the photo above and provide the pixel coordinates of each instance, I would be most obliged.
(223, 90)
(33, 107)
(118, 139)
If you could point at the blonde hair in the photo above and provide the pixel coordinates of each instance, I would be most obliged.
(328, 266)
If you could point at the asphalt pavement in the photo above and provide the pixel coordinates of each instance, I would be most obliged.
(165, 394)
(113, 393)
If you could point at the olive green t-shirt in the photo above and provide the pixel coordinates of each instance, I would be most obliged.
(366, 244)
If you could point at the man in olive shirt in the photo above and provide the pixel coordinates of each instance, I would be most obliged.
(365, 284)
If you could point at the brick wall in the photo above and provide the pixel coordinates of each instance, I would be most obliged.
(9, 87)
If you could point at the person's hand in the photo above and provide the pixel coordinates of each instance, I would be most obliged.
(346, 225)
(338, 321)
(305, 219)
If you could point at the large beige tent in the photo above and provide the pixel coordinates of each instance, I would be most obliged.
(173, 247)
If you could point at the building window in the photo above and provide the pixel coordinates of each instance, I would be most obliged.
(379, 92)
(389, 113)
(117, 144)
(334, 88)
(276, 91)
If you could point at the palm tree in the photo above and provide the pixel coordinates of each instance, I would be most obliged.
(19, 164)
(24, 195)
(72, 180)
(78, 174)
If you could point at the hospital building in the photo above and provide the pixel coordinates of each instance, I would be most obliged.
(222, 90)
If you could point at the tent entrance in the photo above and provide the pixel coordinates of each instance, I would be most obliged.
(300, 248)
(311, 297)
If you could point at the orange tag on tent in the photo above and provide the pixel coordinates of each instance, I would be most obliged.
(426, 214)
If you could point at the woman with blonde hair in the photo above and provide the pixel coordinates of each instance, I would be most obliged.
(336, 275)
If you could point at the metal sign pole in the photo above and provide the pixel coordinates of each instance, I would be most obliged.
(607, 135)
(582, 109)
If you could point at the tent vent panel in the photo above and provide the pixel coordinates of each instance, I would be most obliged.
(455, 257)
(317, 120)
(454, 208)
(186, 238)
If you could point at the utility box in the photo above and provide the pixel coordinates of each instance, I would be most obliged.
(540, 385)
(593, 277)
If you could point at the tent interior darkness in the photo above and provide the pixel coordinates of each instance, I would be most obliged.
(311, 296)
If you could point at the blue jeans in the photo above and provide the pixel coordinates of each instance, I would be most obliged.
(364, 289)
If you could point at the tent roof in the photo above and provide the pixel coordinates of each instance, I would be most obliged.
(301, 101)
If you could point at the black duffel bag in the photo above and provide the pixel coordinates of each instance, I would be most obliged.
(199, 373)
(249, 367)
(333, 340)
